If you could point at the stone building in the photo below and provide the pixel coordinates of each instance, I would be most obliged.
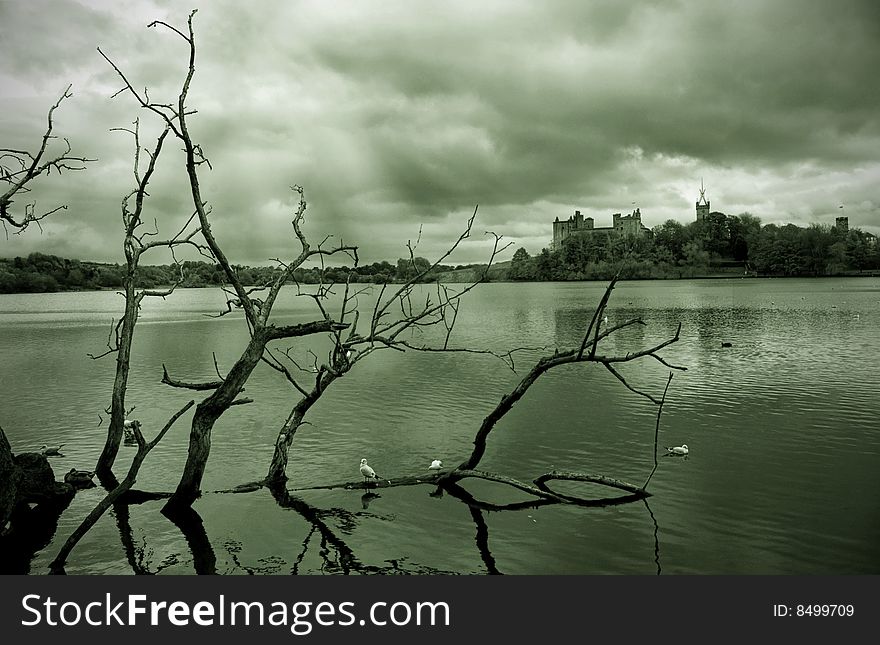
(577, 224)
(842, 224)
(702, 205)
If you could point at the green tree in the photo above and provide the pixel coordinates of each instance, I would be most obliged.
(670, 237)
(407, 268)
(521, 266)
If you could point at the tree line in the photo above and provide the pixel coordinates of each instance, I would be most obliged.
(676, 250)
(44, 273)
(672, 250)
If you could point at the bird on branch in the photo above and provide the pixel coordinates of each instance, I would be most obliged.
(367, 472)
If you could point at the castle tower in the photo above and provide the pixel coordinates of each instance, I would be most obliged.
(702, 204)
(842, 224)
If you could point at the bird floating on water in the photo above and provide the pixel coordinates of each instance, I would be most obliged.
(727, 344)
(678, 450)
(51, 451)
(367, 472)
(80, 478)
(435, 465)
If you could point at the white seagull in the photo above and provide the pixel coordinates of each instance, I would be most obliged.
(367, 472)
(50, 451)
(435, 465)
(678, 450)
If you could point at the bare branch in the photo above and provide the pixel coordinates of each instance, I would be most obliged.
(144, 448)
(276, 365)
(207, 385)
(31, 166)
(657, 431)
(620, 378)
(217, 367)
(244, 401)
(560, 358)
(597, 315)
(112, 340)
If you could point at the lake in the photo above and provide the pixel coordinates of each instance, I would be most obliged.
(782, 475)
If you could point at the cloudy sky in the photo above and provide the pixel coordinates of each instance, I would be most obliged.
(401, 114)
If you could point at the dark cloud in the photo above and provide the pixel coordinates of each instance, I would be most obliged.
(394, 114)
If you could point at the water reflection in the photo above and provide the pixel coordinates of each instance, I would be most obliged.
(482, 540)
(336, 555)
(190, 524)
(367, 498)
(135, 554)
(656, 535)
(32, 528)
(324, 539)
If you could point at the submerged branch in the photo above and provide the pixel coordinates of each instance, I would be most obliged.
(207, 385)
(144, 448)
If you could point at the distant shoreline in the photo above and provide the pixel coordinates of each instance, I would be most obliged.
(720, 276)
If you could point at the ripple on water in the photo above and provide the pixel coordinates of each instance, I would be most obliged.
(781, 426)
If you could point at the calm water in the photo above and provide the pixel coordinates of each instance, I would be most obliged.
(783, 431)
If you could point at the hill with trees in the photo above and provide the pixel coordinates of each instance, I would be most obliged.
(43, 273)
(717, 245)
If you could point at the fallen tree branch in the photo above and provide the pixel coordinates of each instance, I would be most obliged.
(657, 431)
(144, 448)
(563, 358)
(442, 478)
(207, 385)
(584, 477)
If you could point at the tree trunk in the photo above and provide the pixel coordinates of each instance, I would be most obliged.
(206, 415)
(8, 481)
(500, 410)
(57, 565)
(144, 448)
(104, 467)
(278, 466)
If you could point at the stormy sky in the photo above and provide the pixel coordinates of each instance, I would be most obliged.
(401, 114)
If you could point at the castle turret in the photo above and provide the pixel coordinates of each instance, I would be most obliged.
(702, 204)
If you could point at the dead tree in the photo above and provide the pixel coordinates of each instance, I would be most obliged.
(586, 351)
(144, 448)
(20, 168)
(137, 241)
(256, 310)
(384, 330)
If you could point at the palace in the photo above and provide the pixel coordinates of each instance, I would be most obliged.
(577, 224)
(628, 225)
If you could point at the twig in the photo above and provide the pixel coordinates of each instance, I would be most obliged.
(657, 431)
